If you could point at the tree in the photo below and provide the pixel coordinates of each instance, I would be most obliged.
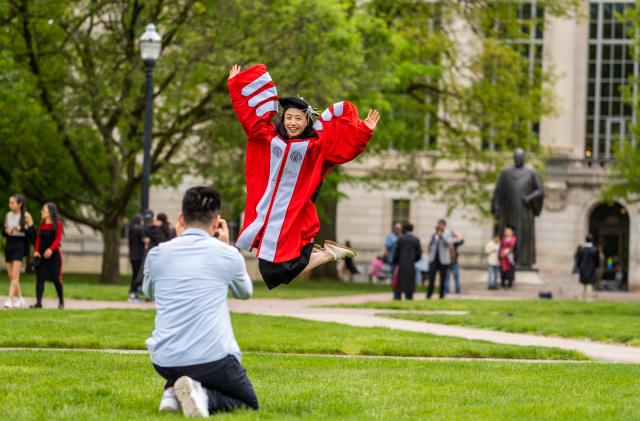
(624, 177)
(73, 81)
(463, 92)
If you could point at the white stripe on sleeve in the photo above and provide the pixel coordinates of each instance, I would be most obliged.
(267, 107)
(258, 83)
(263, 96)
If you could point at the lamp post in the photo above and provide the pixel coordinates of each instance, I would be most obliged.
(150, 45)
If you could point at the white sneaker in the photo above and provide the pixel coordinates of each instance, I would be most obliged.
(8, 303)
(19, 303)
(338, 251)
(192, 397)
(169, 401)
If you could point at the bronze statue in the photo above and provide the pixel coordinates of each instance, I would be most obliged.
(517, 200)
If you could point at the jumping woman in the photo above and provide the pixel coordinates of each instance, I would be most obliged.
(286, 163)
(17, 226)
(49, 252)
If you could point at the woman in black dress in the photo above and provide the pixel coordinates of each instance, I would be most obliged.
(18, 225)
(587, 263)
(49, 252)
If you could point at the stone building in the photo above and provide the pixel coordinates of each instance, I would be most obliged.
(591, 56)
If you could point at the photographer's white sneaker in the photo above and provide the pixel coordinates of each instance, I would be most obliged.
(169, 401)
(192, 397)
(338, 251)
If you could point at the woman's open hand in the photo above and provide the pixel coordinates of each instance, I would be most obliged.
(372, 119)
(234, 70)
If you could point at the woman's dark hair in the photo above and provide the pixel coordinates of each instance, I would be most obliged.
(22, 201)
(136, 220)
(55, 217)
(166, 231)
(200, 205)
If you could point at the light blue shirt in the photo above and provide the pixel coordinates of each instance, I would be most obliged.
(189, 277)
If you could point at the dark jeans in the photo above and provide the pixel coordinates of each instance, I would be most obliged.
(397, 295)
(507, 277)
(40, 290)
(135, 268)
(225, 380)
(435, 268)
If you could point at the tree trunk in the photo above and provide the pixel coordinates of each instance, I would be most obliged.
(327, 205)
(111, 253)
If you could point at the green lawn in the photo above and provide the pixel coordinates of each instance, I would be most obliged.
(87, 287)
(601, 321)
(127, 329)
(76, 385)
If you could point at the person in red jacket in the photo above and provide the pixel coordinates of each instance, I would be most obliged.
(49, 253)
(285, 166)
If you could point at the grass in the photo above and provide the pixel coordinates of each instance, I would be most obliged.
(88, 287)
(615, 322)
(90, 386)
(127, 329)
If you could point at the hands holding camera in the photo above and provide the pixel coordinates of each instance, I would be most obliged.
(222, 232)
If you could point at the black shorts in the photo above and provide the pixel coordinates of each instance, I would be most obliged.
(15, 249)
(275, 274)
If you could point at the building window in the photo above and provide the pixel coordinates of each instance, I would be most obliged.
(528, 40)
(611, 65)
(400, 212)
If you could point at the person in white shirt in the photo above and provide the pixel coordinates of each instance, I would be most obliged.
(493, 262)
(193, 346)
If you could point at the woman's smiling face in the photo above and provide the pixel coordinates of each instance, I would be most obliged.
(295, 121)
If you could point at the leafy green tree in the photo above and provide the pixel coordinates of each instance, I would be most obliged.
(73, 91)
(624, 178)
(462, 93)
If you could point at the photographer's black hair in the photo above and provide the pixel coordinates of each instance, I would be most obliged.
(408, 227)
(200, 205)
(589, 238)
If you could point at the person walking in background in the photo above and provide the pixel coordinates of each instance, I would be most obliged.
(493, 262)
(49, 253)
(422, 269)
(136, 251)
(454, 266)
(376, 269)
(390, 243)
(349, 265)
(18, 225)
(157, 230)
(508, 252)
(407, 252)
(439, 256)
(587, 262)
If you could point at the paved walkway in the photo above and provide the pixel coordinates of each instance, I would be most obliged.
(312, 309)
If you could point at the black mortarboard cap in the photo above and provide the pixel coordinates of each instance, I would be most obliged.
(294, 102)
